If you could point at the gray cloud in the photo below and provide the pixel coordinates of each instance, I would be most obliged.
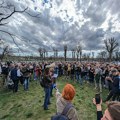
(52, 31)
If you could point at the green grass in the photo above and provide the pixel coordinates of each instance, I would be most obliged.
(28, 105)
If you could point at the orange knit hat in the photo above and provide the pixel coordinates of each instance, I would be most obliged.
(68, 92)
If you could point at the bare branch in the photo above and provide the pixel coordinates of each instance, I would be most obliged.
(5, 49)
(37, 16)
(14, 11)
(12, 36)
(111, 45)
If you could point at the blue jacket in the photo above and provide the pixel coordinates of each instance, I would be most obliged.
(13, 75)
(116, 81)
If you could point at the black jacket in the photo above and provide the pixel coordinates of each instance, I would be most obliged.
(116, 82)
(99, 115)
(47, 81)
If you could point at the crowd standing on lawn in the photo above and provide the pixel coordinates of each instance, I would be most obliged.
(101, 75)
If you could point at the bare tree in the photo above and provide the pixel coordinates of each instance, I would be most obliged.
(44, 53)
(54, 50)
(7, 10)
(79, 52)
(88, 56)
(73, 54)
(93, 56)
(84, 56)
(117, 56)
(65, 51)
(4, 52)
(40, 50)
(111, 46)
(102, 55)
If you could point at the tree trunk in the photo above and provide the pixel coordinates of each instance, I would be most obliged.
(110, 56)
(77, 57)
(65, 54)
(80, 58)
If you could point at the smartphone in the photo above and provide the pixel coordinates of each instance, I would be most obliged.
(97, 98)
(55, 87)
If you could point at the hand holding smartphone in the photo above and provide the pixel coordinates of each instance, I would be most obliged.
(55, 87)
(97, 98)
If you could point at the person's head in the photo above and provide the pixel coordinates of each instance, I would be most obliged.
(16, 66)
(68, 92)
(47, 71)
(114, 72)
(112, 112)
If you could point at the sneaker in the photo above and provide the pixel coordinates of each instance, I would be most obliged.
(46, 109)
(49, 103)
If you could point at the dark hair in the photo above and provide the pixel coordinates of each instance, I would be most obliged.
(46, 71)
(114, 110)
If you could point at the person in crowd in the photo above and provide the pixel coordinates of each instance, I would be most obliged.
(0, 68)
(64, 99)
(14, 77)
(26, 75)
(53, 81)
(98, 73)
(115, 91)
(111, 113)
(5, 72)
(37, 73)
(103, 77)
(66, 70)
(78, 74)
(31, 68)
(60, 70)
(20, 75)
(72, 72)
(108, 82)
(56, 69)
(91, 75)
(47, 84)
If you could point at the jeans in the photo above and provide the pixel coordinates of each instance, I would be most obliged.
(47, 97)
(72, 76)
(113, 94)
(78, 77)
(26, 83)
(51, 89)
(35, 76)
(56, 71)
(60, 72)
(15, 88)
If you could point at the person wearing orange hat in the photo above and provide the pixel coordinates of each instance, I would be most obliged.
(65, 99)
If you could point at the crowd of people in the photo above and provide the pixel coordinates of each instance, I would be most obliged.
(101, 75)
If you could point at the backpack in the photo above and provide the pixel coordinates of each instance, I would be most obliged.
(5, 70)
(42, 82)
(62, 116)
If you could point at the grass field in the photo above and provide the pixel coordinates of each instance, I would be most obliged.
(28, 105)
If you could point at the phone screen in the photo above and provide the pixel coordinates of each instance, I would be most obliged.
(97, 98)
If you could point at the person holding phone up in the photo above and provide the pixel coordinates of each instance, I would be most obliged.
(111, 113)
(64, 101)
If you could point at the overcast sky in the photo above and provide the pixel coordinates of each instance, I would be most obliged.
(71, 22)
